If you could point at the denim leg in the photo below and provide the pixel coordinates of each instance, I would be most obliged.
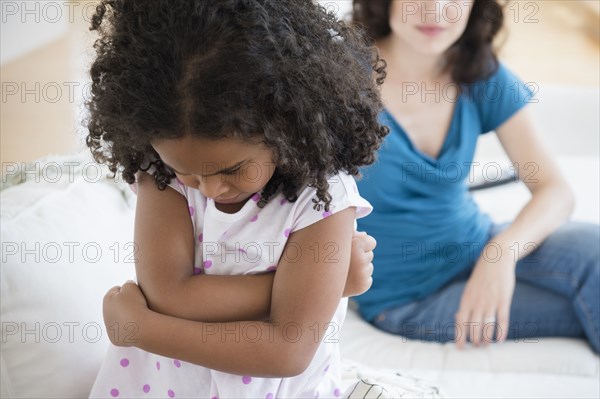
(568, 263)
(535, 312)
(556, 294)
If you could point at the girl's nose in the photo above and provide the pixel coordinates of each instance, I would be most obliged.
(212, 186)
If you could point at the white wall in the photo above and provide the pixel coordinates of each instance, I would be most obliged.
(341, 7)
(28, 25)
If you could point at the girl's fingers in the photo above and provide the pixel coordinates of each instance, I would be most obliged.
(370, 244)
(359, 235)
(364, 241)
(114, 290)
(129, 284)
(117, 288)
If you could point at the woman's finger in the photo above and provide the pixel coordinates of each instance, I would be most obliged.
(503, 319)
(488, 326)
(475, 328)
(460, 328)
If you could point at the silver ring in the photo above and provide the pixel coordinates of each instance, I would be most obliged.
(489, 320)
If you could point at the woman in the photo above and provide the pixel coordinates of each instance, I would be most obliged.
(443, 270)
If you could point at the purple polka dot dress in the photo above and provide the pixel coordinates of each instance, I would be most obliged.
(246, 242)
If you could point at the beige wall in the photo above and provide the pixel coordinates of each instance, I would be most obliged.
(37, 116)
(547, 41)
(42, 89)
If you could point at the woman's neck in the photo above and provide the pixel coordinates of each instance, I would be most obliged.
(407, 65)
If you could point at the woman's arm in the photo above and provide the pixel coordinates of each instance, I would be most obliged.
(552, 199)
(488, 293)
(306, 294)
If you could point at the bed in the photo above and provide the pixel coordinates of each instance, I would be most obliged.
(67, 237)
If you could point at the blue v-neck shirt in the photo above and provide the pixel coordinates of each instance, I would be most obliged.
(427, 226)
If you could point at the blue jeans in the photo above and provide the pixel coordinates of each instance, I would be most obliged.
(556, 294)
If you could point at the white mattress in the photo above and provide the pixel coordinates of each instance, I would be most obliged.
(54, 293)
(547, 368)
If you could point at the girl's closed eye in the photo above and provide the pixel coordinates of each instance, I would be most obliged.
(231, 171)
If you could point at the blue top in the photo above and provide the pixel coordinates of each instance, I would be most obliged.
(427, 226)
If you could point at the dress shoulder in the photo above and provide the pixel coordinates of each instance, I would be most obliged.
(344, 194)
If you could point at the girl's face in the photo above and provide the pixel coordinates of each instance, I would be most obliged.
(229, 171)
(427, 26)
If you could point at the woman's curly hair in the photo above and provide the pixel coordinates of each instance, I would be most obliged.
(285, 70)
(470, 59)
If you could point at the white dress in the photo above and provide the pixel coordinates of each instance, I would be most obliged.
(246, 242)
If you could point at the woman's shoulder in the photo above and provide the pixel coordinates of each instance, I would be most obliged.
(499, 96)
(502, 76)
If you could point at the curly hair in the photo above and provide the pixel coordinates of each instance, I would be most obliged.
(470, 59)
(285, 70)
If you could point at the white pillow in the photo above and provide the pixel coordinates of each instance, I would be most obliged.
(65, 242)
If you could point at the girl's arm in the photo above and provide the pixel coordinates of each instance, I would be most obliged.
(165, 256)
(164, 240)
(306, 294)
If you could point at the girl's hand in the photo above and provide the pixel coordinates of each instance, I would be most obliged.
(123, 309)
(485, 302)
(359, 277)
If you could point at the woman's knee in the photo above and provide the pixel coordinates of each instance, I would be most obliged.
(580, 244)
(577, 238)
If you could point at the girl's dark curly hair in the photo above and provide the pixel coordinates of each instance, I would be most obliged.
(285, 70)
(470, 59)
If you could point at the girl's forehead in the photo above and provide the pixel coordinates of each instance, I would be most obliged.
(185, 154)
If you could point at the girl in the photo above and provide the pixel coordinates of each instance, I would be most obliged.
(240, 124)
(445, 271)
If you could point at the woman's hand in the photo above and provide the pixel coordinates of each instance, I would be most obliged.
(359, 277)
(485, 302)
(123, 309)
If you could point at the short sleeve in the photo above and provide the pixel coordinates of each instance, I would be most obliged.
(499, 97)
(344, 194)
(175, 183)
